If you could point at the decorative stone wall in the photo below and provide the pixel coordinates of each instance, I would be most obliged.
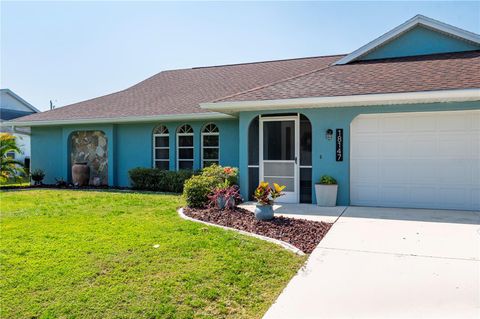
(91, 147)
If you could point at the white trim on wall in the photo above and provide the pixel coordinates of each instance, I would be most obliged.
(178, 147)
(155, 147)
(461, 95)
(202, 134)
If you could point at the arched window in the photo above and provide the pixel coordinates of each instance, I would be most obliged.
(210, 145)
(161, 147)
(185, 147)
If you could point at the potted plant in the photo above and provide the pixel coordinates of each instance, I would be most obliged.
(225, 197)
(37, 176)
(265, 196)
(326, 191)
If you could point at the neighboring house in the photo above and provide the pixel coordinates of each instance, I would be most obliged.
(13, 106)
(396, 122)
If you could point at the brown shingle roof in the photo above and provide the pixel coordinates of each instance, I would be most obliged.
(420, 73)
(181, 91)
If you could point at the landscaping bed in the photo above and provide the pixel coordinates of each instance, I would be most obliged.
(301, 233)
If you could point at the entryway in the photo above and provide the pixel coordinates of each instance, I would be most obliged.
(279, 154)
(280, 151)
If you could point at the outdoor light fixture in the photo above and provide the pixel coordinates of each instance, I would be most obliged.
(329, 134)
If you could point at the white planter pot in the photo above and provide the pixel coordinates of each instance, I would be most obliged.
(326, 195)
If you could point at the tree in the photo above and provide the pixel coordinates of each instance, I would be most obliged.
(10, 168)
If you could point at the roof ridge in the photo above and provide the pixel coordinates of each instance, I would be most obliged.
(266, 61)
(272, 83)
(415, 57)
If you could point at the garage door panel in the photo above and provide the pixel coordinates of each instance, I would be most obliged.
(459, 172)
(455, 145)
(393, 145)
(421, 171)
(475, 193)
(475, 169)
(422, 123)
(394, 194)
(475, 146)
(422, 195)
(367, 125)
(475, 122)
(422, 145)
(366, 147)
(365, 193)
(393, 171)
(451, 197)
(366, 171)
(391, 124)
(452, 122)
(426, 160)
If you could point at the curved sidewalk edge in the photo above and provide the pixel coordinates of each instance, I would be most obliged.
(271, 240)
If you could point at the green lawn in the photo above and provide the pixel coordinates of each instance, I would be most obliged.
(80, 254)
(15, 182)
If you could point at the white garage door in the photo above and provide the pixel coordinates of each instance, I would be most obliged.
(420, 160)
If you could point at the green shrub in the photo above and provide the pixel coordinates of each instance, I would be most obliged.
(154, 179)
(222, 173)
(328, 180)
(197, 189)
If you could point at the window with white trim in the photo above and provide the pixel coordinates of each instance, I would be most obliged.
(185, 147)
(161, 148)
(210, 145)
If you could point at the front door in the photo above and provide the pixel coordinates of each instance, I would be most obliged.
(279, 154)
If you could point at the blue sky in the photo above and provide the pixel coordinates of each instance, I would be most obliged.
(72, 51)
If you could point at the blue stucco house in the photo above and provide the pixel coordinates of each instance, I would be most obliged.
(396, 122)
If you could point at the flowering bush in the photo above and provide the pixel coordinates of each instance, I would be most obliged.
(222, 174)
(212, 180)
(266, 195)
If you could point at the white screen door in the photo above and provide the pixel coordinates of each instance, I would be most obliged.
(279, 154)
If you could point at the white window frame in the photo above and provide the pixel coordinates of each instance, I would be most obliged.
(155, 147)
(192, 133)
(210, 147)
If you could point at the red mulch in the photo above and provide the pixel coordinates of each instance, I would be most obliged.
(301, 233)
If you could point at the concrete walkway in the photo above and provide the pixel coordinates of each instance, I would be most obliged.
(303, 211)
(390, 263)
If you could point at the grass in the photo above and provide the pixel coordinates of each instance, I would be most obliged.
(86, 254)
(16, 182)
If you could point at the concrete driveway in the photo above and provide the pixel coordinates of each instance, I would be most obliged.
(390, 263)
